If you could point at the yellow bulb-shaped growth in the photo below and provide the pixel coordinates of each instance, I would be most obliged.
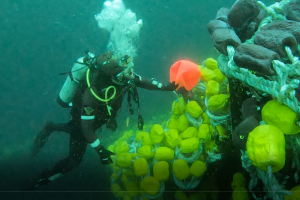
(150, 185)
(132, 188)
(124, 159)
(117, 190)
(189, 145)
(194, 109)
(161, 170)
(164, 153)
(180, 195)
(198, 168)
(190, 132)
(121, 147)
(212, 88)
(140, 166)
(211, 64)
(183, 123)
(266, 146)
(157, 133)
(181, 169)
(145, 152)
(238, 181)
(218, 102)
(281, 116)
(172, 138)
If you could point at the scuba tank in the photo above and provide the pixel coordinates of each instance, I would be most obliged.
(76, 77)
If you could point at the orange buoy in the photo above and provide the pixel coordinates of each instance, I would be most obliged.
(185, 73)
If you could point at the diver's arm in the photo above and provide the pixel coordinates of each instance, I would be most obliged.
(152, 84)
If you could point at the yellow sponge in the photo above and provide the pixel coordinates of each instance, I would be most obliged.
(295, 195)
(218, 102)
(190, 132)
(210, 146)
(183, 123)
(140, 166)
(181, 105)
(240, 193)
(145, 152)
(161, 170)
(124, 159)
(206, 119)
(146, 140)
(194, 109)
(164, 153)
(219, 77)
(121, 147)
(204, 133)
(266, 146)
(140, 135)
(281, 116)
(207, 74)
(171, 138)
(211, 64)
(150, 185)
(114, 176)
(238, 181)
(181, 169)
(173, 122)
(117, 190)
(180, 195)
(198, 196)
(132, 188)
(198, 168)
(157, 133)
(189, 145)
(212, 88)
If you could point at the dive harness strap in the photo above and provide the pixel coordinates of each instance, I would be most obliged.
(133, 93)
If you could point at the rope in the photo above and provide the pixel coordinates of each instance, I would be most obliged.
(196, 123)
(212, 157)
(282, 89)
(274, 190)
(185, 185)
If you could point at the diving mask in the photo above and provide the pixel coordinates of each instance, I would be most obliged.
(125, 60)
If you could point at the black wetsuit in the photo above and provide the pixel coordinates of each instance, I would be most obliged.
(82, 131)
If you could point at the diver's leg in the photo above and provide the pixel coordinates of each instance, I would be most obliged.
(43, 136)
(77, 148)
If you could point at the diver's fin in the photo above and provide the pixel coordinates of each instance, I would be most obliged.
(42, 138)
(42, 179)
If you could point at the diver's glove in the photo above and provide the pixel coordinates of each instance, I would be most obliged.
(104, 155)
(170, 87)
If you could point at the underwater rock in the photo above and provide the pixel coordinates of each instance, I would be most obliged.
(224, 37)
(276, 40)
(292, 10)
(222, 14)
(247, 32)
(240, 134)
(216, 24)
(242, 13)
(289, 26)
(262, 14)
(256, 58)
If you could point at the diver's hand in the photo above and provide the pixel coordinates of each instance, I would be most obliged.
(104, 155)
(170, 87)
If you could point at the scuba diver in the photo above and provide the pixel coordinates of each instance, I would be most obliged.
(94, 89)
